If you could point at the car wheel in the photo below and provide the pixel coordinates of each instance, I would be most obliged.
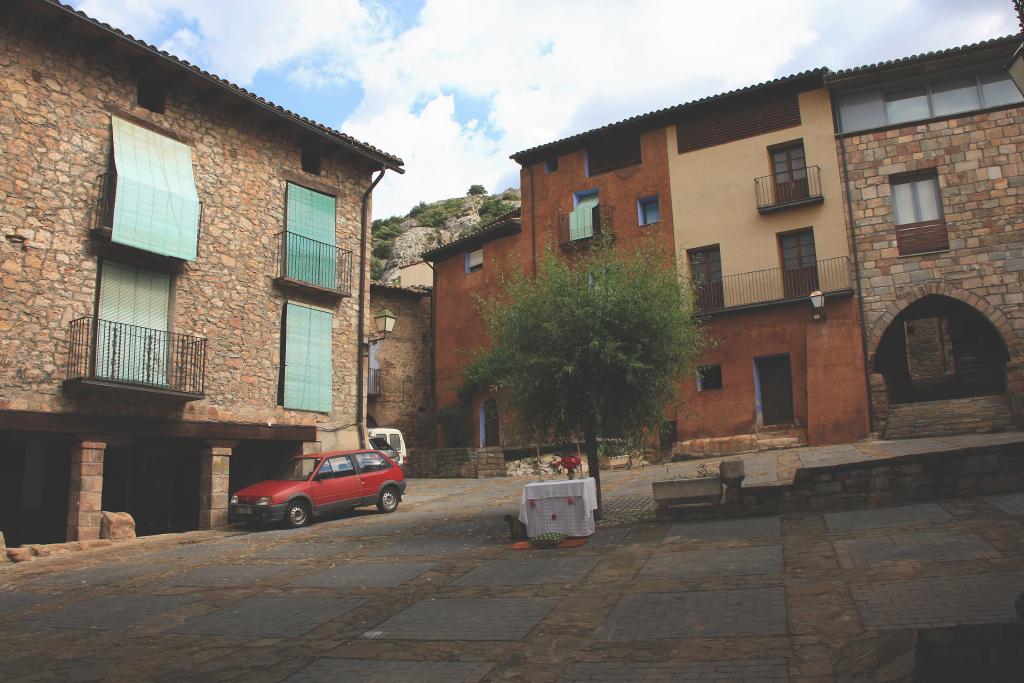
(296, 515)
(388, 500)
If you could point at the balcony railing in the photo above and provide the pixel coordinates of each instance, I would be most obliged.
(577, 227)
(772, 285)
(373, 382)
(103, 352)
(801, 188)
(305, 262)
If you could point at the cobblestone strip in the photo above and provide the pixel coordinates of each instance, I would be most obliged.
(331, 670)
(762, 670)
(939, 601)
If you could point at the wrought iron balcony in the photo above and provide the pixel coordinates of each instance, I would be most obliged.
(802, 187)
(580, 226)
(305, 263)
(773, 285)
(373, 382)
(103, 353)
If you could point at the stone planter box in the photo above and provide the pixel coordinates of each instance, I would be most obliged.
(703, 491)
(615, 463)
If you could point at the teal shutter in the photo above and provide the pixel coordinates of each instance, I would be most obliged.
(308, 359)
(156, 206)
(311, 245)
(131, 333)
(581, 221)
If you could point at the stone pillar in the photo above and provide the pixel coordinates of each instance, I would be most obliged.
(879, 401)
(85, 490)
(1015, 391)
(214, 470)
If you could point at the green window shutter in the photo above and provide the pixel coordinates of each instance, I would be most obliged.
(312, 235)
(156, 206)
(131, 333)
(308, 359)
(581, 221)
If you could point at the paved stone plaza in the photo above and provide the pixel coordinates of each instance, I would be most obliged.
(434, 593)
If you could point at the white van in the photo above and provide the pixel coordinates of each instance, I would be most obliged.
(394, 438)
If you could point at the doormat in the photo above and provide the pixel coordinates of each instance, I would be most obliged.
(567, 543)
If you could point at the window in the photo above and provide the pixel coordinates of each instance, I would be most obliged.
(311, 241)
(613, 154)
(151, 95)
(341, 466)
(551, 165)
(474, 260)
(648, 211)
(709, 377)
(311, 161)
(133, 312)
(799, 263)
(789, 172)
(917, 212)
(307, 367)
(585, 219)
(955, 95)
(997, 89)
(371, 462)
(706, 275)
(907, 105)
(156, 206)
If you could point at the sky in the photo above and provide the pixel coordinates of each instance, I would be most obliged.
(454, 87)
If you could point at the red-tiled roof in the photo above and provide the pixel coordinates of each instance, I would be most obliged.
(1009, 42)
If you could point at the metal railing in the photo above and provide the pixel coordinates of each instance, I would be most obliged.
(773, 284)
(104, 218)
(373, 382)
(128, 354)
(576, 227)
(315, 263)
(774, 192)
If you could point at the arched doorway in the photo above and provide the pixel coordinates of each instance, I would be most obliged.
(941, 348)
(490, 424)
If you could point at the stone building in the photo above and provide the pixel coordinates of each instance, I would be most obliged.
(399, 381)
(184, 281)
(931, 151)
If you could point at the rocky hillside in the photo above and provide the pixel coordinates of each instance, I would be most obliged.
(400, 240)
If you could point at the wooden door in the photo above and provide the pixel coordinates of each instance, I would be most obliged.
(706, 274)
(776, 390)
(789, 171)
(799, 264)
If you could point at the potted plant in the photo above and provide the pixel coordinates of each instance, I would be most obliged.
(704, 488)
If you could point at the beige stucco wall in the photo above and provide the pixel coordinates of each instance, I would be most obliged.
(714, 202)
(417, 274)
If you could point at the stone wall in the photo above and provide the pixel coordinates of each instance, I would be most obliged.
(404, 361)
(56, 99)
(978, 161)
(921, 476)
(458, 463)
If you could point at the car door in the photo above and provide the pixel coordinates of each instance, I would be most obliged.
(374, 470)
(336, 483)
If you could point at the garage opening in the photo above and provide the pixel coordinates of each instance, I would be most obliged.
(34, 476)
(156, 482)
(253, 461)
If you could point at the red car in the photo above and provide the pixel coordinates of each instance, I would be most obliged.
(319, 484)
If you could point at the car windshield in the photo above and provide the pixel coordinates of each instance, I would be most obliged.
(380, 444)
(297, 469)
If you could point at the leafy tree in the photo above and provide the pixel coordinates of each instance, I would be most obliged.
(376, 269)
(594, 348)
(476, 190)
(492, 207)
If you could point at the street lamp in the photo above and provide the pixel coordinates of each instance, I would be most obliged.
(385, 322)
(817, 305)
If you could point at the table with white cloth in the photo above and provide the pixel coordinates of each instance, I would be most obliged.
(561, 506)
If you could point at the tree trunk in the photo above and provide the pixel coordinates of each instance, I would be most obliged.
(593, 464)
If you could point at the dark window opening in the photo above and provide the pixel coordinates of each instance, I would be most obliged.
(152, 95)
(709, 377)
(551, 165)
(614, 154)
(706, 276)
(789, 172)
(280, 372)
(312, 162)
(799, 264)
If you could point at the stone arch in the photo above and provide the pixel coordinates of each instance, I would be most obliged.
(990, 312)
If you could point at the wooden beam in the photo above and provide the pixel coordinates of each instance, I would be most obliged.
(25, 421)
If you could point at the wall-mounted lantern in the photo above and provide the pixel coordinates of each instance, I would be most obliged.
(817, 305)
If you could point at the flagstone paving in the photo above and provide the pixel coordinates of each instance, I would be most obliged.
(434, 592)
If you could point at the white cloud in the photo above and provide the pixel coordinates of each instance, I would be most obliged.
(536, 70)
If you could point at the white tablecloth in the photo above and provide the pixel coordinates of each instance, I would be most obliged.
(563, 506)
